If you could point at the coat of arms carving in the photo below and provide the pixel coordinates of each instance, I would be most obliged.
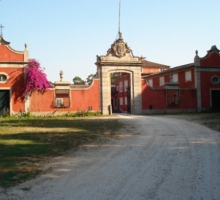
(119, 48)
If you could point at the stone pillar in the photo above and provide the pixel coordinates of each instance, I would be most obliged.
(198, 81)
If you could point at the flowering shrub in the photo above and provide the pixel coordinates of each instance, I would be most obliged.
(36, 79)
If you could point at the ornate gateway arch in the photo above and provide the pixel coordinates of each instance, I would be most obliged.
(119, 58)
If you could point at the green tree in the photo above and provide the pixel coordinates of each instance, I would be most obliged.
(78, 81)
(90, 78)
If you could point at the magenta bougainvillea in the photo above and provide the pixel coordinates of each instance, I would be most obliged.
(36, 79)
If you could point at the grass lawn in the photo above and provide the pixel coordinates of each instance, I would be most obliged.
(208, 119)
(26, 142)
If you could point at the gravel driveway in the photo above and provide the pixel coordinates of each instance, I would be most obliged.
(161, 158)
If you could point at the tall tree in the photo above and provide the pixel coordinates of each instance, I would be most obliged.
(36, 79)
(78, 81)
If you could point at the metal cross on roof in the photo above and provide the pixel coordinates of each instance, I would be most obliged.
(1, 27)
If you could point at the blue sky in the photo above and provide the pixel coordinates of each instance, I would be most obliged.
(68, 34)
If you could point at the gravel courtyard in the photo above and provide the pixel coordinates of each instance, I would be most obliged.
(159, 157)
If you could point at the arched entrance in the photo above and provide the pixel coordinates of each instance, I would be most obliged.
(119, 58)
(120, 92)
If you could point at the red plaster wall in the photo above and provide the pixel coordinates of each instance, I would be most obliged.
(157, 98)
(212, 60)
(42, 102)
(9, 56)
(16, 83)
(206, 86)
(181, 79)
(80, 100)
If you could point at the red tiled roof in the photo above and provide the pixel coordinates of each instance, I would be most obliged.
(149, 64)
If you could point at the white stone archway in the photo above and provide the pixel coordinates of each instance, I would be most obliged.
(119, 58)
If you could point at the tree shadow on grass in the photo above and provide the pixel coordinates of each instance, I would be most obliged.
(22, 151)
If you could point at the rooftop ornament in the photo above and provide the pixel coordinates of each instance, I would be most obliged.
(61, 75)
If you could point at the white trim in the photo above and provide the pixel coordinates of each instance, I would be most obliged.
(12, 65)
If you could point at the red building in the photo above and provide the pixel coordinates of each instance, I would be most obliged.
(190, 87)
(12, 64)
(62, 98)
(121, 87)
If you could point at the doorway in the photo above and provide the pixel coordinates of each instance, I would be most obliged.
(216, 99)
(120, 92)
(4, 102)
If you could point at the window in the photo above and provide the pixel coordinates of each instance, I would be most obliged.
(175, 78)
(161, 81)
(173, 97)
(121, 101)
(150, 82)
(3, 77)
(188, 76)
(62, 98)
(59, 102)
(120, 87)
(126, 101)
(125, 84)
(215, 80)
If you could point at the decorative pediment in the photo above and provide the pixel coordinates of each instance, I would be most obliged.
(119, 48)
(212, 58)
(213, 49)
(2, 41)
(7, 54)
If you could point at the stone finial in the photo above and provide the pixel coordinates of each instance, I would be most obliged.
(25, 46)
(61, 75)
(196, 59)
(196, 52)
(120, 36)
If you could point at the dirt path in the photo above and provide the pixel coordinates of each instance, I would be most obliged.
(165, 158)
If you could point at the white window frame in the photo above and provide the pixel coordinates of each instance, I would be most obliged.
(188, 76)
(161, 79)
(120, 86)
(175, 78)
(125, 84)
(126, 100)
(58, 102)
(150, 82)
(121, 101)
